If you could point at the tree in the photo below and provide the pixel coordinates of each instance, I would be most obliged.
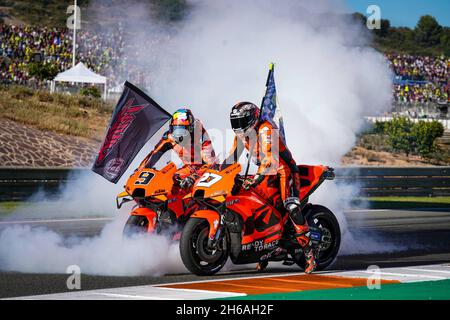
(413, 138)
(399, 135)
(358, 17)
(385, 26)
(445, 40)
(42, 71)
(90, 92)
(170, 9)
(425, 134)
(428, 31)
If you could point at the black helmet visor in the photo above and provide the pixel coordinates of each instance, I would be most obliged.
(241, 123)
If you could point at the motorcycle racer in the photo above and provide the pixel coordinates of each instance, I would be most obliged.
(245, 121)
(189, 139)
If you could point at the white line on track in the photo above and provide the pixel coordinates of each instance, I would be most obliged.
(415, 275)
(158, 292)
(367, 210)
(241, 278)
(128, 296)
(53, 221)
(203, 291)
(394, 210)
(427, 270)
(135, 293)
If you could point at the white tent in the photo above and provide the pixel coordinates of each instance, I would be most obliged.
(79, 73)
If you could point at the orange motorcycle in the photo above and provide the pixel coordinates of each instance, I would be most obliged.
(159, 201)
(251, 226)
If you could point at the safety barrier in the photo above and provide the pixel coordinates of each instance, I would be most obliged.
(21, 183)
(398, 181)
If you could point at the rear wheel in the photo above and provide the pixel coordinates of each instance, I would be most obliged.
(135, 225)
(322, 218)
(196, 256)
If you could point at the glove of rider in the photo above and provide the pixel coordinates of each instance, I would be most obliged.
(187, 182)
(248, 183)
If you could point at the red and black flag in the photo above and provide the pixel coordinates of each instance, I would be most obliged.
(136, 118)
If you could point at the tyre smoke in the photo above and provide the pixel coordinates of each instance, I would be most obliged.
(39, 250)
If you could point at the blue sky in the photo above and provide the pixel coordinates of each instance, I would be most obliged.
(405, 12)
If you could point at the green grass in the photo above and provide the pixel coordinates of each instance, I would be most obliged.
(404, 202)
(7, 207)
(412, 199)
(374, 202)
(427, 290)
(73, 115)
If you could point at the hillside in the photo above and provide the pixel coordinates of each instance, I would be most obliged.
(61, 113)
(40, 129)
(25, 146)
(53, 13)
(374, 150)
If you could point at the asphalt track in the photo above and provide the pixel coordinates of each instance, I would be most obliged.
(424, 235)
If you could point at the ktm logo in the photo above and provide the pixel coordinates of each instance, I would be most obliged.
(123, 121)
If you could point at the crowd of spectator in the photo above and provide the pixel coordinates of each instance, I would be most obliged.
(432, 69)
(103, 53)
(422, 78)
(420, 93)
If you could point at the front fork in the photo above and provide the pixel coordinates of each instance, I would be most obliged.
(217, 236)
(215, 218)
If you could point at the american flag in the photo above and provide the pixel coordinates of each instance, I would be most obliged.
(269, 109)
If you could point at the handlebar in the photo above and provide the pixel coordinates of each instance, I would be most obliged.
(239, 181)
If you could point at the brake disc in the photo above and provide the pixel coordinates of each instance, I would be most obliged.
(204, 253)
(326, 240)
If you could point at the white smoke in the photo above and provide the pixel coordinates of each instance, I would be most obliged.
(33, 250)
(327, 78)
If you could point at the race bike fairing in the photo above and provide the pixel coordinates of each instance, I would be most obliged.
(250, 226)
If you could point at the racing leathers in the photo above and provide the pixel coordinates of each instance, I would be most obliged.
(196, 153)
(270, 161)
(273, 157)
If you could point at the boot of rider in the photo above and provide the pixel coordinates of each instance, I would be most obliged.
(301, 233)
(261, 266)
(310, 259)
(302, 236)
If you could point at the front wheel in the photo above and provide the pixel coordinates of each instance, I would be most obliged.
(135, 225)
(322, 218)
(196, 256)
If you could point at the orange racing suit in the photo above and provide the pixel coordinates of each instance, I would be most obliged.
(269, 159)
(196, 156)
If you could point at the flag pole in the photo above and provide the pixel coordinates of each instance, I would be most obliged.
(74, 33)
(250, 153)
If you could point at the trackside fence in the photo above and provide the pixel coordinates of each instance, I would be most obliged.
(22, 183)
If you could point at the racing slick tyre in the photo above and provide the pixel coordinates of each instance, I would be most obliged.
(321, 217)
(135, 225)
(196, 256)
